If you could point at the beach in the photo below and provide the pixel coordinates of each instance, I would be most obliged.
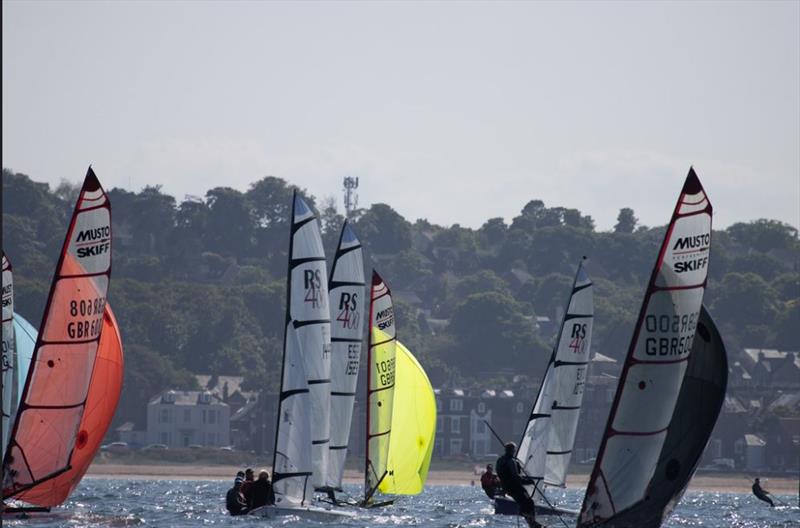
(729, 482)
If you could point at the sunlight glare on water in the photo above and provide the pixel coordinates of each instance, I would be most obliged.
(191, 503)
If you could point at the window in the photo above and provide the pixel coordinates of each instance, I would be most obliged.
(481, 407)
(480, 428)
(738, 447)
(438, 404)
(163, 416)
(187, 415)
(455, 425)
(439, 427)
(212, 416)
(455, 446)
(204, 416)
(437, 446)
(456, 405)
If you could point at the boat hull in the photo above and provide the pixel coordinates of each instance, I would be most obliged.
(312, 513)
(507, 506)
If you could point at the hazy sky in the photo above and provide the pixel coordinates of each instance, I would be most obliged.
(455, 112)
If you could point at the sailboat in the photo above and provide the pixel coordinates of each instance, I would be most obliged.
(413, 427)
(46, 430)
(301, 434)
(381, 369)
(347, 302)
(546, 446)
(671, 387)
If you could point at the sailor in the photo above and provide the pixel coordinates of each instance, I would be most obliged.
(249, 476)
(234, 500)
(761, 493)
(508, 470)
(260, 491)
(491, 483)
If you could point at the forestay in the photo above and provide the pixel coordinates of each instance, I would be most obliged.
(308, 309)
(380, 384)
(546, 445)
(53, 400)
(347, 301)
(656, 362)
(8, 359)
(413, 427)
(101, 403)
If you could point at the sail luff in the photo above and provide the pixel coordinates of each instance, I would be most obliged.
(43, 435)
(9, 353)
(649, 384)
(346, 290)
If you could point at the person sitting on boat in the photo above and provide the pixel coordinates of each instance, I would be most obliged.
(491, 483)
(508, 470)
(761, 493)
(249, 478)
(234, 500)
(260, 492)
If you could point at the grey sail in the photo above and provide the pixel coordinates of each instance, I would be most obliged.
(699, 404)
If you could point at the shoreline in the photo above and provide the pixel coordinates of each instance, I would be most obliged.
(728, 483)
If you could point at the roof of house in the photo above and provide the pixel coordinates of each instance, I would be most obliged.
(174, 397)
(753, 440)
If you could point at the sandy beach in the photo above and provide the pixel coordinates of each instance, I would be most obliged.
(733, 483)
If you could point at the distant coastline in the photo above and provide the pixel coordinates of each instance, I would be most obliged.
(723, 483)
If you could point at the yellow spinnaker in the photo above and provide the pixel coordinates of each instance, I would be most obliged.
(413, 427)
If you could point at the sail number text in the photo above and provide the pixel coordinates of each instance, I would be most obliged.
(385, 371)
(86, 329)
(681, 327)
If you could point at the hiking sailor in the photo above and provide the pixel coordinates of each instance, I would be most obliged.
(508, 469)
(761, 493)
(491, 483)
(234, 500)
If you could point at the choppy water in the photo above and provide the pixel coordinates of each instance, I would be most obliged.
(190, 503)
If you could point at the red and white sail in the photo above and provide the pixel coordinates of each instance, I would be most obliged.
(656, 362)
(54, 397)
(347, 302)
(381, 368)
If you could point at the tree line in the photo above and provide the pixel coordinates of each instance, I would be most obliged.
(198, 285)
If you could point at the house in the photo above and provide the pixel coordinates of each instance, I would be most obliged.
(185, 418)
(773, 368)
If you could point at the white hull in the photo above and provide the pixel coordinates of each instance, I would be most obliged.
(312, 513)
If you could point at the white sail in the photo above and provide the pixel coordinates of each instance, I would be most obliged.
(347, 301)
(656, 362)
(307, 300)
(25, 336)
(547, 442)
(292, 462)
(8, 359)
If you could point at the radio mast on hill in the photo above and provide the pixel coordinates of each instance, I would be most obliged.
(350, 195)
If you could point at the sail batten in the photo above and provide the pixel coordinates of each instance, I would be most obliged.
(656, 363)
(53, 400)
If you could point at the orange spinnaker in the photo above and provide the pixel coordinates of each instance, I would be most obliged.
(101, 402)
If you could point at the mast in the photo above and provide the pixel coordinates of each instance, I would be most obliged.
(9, 352)
(656, 362)
(54, 396)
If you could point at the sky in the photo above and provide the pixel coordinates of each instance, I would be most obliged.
(454, 112)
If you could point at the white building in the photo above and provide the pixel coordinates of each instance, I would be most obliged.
(186, 418)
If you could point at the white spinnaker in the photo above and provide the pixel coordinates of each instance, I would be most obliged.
(347, 302)
(308, 309)
(656, 362)
(550, 433)
(8, 375)
(292, 462)
(569, 370)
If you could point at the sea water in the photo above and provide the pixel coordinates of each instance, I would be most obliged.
(190, 503)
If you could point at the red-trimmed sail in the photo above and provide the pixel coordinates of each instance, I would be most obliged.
(54, 397)
(656, 363)
(101, 403)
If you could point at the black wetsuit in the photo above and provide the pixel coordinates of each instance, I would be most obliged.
(235, 503)
(508, 470)
(759, 492)
(260, 494)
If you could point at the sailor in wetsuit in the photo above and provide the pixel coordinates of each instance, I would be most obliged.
(508, 470)
(234, 500)
(490, 483)
(761, 493)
